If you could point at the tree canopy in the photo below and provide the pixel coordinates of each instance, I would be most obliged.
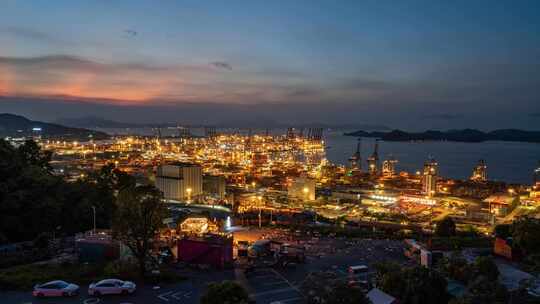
(526, 234)
(226, 292)
(33, 200)
(411, 285)
(327, 288)
(503, 231)
(485, 266)
(139, 216)
(446, 227)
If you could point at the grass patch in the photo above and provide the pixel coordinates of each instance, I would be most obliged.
(24, 277)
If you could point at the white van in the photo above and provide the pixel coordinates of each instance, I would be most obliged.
(357, 270)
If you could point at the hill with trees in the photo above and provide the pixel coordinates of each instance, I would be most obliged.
(464, 135)
(18, 126)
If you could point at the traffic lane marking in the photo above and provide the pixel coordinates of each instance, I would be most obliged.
(164, 295)
(175, 294)
(178, 295)
(273, 291)
(274, 283)
(276, 295)
(289, 300)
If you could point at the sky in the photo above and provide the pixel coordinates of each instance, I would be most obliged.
(404, 64)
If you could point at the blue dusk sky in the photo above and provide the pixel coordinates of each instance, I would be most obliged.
(404, 64)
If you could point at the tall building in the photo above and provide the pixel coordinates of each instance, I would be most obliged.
(210, 132)
(479, 173)
(302, 188)
(214, 185)
(290, 133)
(373, 160)
(355, 160)
(429, 177)
(180, 181)
(389, 167)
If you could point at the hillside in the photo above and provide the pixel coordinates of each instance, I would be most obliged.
(18, 126)
(465, 135)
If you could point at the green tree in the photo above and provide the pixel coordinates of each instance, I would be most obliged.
(328, 288)
(388, 274)
(33, 200)
(414, 285)
(484, 266)
(30, 153)
(344, 294)
(139, 216)
(105, 184)
(446, 227)
(482, 290)
(30, 200)
(526, 234)
(503, 231)
(226, 292)
(457, 268)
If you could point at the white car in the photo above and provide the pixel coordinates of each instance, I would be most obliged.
(55, 289)
(111, 286)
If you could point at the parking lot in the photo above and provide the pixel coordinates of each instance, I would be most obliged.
(185, 292)
(283, 284)
(266, 284)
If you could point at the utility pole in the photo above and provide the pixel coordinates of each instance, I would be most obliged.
(260, 215)
(94, 209)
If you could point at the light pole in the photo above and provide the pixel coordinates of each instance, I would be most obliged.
(188, 190)
(260, 217)
(94, 209)
(306, 193)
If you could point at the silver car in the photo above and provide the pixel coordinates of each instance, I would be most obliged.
(55, 289)
(111, 286)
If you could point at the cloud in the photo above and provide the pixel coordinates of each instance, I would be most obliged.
(273, 89)
(71, 76)
(31, 34)
(221, 65)
(66, 75)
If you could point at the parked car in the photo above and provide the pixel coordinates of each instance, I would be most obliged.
(55, 289)
(111, 286)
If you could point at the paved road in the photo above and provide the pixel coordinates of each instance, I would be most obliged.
(186, 292)
(266, 285)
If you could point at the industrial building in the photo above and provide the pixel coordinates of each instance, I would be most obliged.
(389, 167)
(429, 178)
(480, 172)
(373, 160)
(180, 181)
(214, 185)
(302, 188)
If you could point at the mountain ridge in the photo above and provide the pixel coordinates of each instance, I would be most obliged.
(12, 125)
(462, 135)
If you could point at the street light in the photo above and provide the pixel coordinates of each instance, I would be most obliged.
(188, 190)
(306, 191)
(260, 216)
(94, 209)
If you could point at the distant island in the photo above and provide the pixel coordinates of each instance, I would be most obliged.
(464, 135)
(18, 126)
(92, 122)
